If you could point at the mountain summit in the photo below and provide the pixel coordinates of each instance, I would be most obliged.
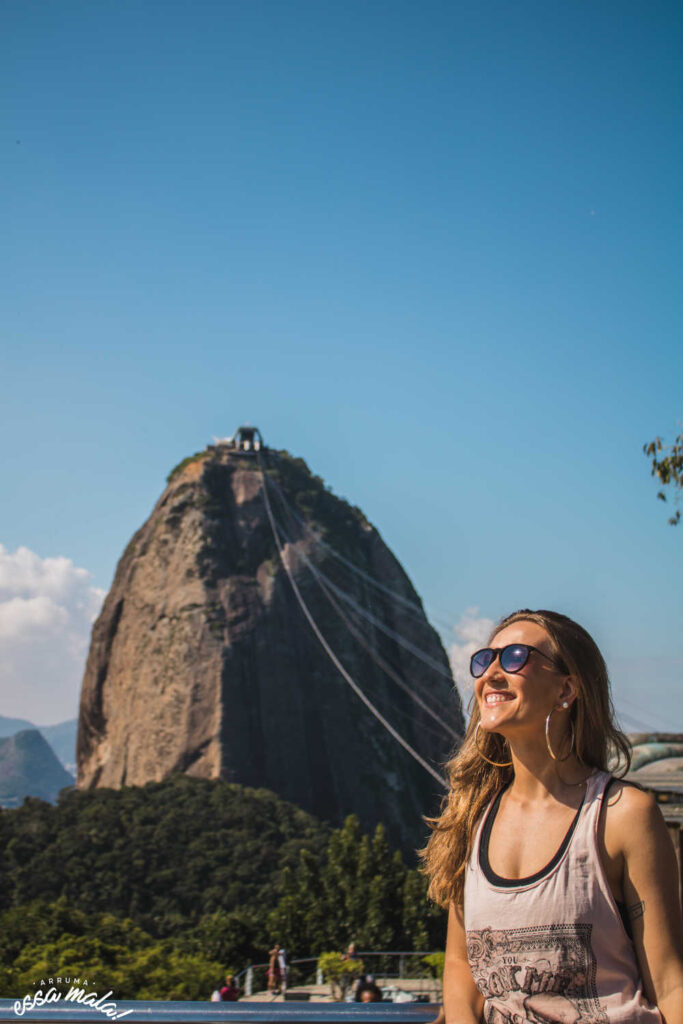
(259, 630)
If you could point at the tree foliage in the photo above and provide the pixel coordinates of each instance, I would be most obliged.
(157, 891)
(42, 941)
(436, 962)
(667, 466)
(338, 971)
(361, 892)
(163, 854)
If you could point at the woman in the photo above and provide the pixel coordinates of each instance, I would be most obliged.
(561, 881)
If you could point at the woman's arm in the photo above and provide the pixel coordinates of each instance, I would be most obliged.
(462, 1000)
(636, 835)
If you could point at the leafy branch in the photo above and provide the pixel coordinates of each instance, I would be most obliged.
(667, 466)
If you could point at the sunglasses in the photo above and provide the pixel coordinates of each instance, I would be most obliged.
(513, 657)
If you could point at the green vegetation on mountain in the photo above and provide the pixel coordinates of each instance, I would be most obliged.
(156, 891)
(336, 518)
(314, 499)
(159, 854)
(186, 462)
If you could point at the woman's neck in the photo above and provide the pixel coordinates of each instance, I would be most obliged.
(537, 777)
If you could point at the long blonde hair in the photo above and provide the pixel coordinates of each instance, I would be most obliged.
(473, 782)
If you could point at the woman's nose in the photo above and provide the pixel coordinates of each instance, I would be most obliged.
(495, 672)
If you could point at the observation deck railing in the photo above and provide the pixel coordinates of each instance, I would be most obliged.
(384, 965)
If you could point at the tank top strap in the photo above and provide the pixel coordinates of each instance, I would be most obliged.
(585, 836)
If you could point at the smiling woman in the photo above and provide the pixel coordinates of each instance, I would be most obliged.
(561, 879)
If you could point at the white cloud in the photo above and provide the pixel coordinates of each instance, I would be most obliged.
(473, 632)
(47, 607)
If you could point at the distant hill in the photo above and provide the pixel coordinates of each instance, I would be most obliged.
(9, 726)
(61, 737)
(30, 767)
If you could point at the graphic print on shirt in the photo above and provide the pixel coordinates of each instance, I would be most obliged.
(542, 975)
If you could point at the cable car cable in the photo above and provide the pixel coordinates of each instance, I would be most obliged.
(407, 644)
(324, 582)
(374, 654)
(330, 653)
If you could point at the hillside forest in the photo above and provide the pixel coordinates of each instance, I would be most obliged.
(156, 892)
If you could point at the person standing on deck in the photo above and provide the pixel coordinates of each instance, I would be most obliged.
(274, 969)
(284, 970)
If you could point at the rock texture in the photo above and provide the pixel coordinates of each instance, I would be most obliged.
(202, 661)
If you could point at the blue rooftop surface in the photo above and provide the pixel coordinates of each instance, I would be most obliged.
(235, 1013)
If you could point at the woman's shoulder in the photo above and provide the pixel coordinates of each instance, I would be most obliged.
(629, 810)
(628, 797)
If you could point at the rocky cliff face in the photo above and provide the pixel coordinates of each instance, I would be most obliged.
(202, 660)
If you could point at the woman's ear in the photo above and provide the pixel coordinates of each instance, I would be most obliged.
(569, 692)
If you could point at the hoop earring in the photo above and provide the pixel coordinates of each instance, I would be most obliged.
(496, 764)
(547, 737)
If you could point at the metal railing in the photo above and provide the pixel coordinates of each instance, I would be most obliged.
(383, 965)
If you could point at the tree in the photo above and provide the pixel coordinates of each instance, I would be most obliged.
(380, 906)
(424, 922)
(667, 466)
(339, 972)
(301, 920)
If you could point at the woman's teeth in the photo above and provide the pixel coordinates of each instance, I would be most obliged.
(497, 698)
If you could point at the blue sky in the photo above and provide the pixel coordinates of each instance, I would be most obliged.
(432, 248)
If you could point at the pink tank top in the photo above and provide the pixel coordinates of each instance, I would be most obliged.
(552, 948)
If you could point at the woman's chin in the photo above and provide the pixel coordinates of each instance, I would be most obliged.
(493, 719)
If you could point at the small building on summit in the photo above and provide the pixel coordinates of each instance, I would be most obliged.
(245, 439)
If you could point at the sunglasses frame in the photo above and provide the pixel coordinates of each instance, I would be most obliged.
(498, 653)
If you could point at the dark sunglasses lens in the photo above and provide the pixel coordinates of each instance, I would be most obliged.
(481, 661)
(513, 657)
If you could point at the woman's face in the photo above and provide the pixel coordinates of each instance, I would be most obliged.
(509, 701)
